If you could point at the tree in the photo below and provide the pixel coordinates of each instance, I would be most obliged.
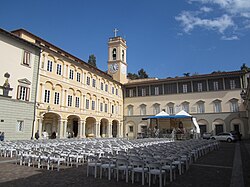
(186, 74)
(244, 67)
(132, 76)
(142, 74)
(92, 60)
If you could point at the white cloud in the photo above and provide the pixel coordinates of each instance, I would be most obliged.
(217, 15)
(232, 6)
(230, 38)
(190, 21)
(206, 9)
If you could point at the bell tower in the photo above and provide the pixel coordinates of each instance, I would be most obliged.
(117, 63)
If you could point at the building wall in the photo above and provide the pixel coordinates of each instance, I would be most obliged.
(61, 116)
(13, 110)
(208, 117)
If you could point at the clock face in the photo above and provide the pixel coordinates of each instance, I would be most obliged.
(113, 67)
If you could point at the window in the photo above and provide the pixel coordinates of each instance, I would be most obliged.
(56, 99)
(23, 93)
(87, 104)
(93, 83)
(234, 106)
(184, 87)
(112, 109)
(156, 108)
(216, 85)
(106, 87)
(170, 108)
(114, 54)
(232, 84)
(77, 103)
(78, 77)
(217, 106)
(116, 91)
(143, 109)
(26, 58)
(71, 74)
(106, 108)
(101, 107)
(131, 129)
(199, 85)
(20, 126)
(93, 105)
(88, 80)
(70, 100)
(113, 90)
(185, 106)
(46, 96)
(130, 110)
(59, 69)
(156, 90)
(123, 54)
(131, 93)
(49, 65)
(101, 85)
(200, 107)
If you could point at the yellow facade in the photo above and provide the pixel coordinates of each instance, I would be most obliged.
(74, 98)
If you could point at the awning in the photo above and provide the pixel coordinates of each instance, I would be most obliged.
(165, 115)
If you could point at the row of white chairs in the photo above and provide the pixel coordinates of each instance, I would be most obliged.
(166, 158)
(51, 153)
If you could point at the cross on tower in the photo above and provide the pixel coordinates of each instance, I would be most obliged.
(115, 31)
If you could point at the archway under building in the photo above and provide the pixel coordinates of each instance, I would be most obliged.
(51, 123)
(104, 127)
(73, 124)
(218, 126)
(204, 126)
(237, 125)
(90, 127)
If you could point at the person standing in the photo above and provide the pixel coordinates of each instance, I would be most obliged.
(37, 135)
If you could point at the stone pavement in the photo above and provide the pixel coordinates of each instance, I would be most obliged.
(218, 169)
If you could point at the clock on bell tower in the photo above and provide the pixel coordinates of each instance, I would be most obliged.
(117, 65)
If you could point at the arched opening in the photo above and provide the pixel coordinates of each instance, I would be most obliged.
(90, 127)
(114, 54)
(51, 123)
(104, 128)
(72, 128)
(218, 126)
(203, 124)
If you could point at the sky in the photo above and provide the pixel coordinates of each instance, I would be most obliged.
(164, 37)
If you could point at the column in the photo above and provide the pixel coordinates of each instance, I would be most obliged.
(65, 129)
(80, 129)
(83, 128)
(40, 126)
(60, 127)
(110, 131)
(121, 129)
(118, 130)
(96, 130)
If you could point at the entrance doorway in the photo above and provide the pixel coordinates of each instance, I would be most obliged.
(218, 128)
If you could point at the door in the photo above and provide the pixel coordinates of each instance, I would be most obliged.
(218, 128)
(203, 128)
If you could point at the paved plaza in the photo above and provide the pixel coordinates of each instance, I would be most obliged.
(228, 166)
